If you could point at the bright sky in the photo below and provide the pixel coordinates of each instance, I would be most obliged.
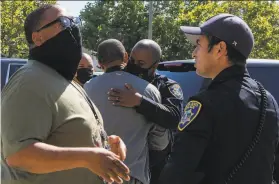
(74, 7)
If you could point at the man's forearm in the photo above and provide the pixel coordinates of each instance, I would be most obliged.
(42, 158)
(165, 116)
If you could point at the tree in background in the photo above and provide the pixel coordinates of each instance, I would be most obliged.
(261, 16)
(13, 14)
(127, 21)
(167, 20)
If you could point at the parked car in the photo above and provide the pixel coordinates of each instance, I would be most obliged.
(184, 72)
(95, 74)
(8, 67)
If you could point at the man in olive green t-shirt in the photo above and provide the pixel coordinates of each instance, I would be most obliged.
(51, 132)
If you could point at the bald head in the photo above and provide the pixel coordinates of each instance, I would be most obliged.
(85, 69)
(151, 46)
(110, 50)
(86, 61)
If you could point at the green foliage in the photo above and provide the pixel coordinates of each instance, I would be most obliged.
(13, 14)
(261, 16)
(128, 22)
(166, 30)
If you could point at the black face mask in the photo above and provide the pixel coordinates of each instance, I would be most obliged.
(84, 75)
(62, 52)
(143, 73)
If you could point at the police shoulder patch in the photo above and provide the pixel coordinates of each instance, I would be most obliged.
(191, 111)
(176, 90)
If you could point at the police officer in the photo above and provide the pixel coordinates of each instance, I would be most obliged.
(228, 133)
(143, 62)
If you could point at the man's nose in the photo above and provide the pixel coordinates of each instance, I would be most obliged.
(194, 53)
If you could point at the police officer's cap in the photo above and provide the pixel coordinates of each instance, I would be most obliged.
(229, 28)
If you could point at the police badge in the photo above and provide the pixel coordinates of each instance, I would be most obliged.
(176, 90)
(191, 111)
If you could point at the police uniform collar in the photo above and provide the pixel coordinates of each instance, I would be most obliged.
(230, 72)
(152, 78)
(156, 75)
(114, 68)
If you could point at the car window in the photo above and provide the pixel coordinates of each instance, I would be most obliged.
(12, 68)
(4, 67)
(190, 82)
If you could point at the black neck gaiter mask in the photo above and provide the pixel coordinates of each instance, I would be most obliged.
(61, 53)
(143, 73)
(84, 75)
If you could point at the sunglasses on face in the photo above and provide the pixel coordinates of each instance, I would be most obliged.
(64, 21)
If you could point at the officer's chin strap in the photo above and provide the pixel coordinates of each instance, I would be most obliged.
(255, 140)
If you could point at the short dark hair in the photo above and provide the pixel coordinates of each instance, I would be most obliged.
(110, 50)
(32, 21)
(234, 56)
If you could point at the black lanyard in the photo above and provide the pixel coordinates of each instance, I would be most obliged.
(103, 132)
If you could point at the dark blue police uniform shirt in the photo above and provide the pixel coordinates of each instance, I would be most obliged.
(216, 129)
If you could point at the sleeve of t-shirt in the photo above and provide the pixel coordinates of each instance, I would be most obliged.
(153, 93)
(26, 119)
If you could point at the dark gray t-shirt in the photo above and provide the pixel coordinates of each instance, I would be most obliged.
(131, 126)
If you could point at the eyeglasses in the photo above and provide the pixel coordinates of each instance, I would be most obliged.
(64, 21)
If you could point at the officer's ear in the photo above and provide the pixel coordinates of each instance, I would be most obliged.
(156, 65)
(222, 49)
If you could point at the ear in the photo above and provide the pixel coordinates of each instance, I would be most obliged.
(100, 66)
(222, 49)
(37, 38)
(126, 58)
(156, 65)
